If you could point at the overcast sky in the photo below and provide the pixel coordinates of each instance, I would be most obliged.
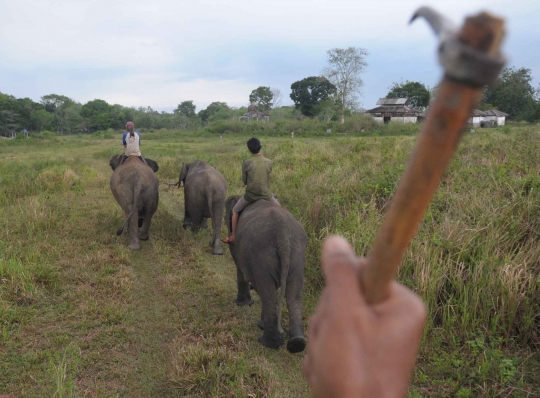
(159, 53)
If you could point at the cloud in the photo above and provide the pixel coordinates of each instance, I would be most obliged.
(160, 94)
(157, 53)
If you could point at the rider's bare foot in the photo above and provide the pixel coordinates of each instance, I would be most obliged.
(229, 240)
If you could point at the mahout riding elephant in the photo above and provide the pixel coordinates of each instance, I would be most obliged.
(135, 188)
(269, 253)
(205, 190)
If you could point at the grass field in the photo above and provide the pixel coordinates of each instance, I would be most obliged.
(82, 316)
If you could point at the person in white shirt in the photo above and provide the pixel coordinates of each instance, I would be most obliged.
(131, 140)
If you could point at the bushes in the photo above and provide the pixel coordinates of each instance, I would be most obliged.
(221, 127)
(363, 125)
(45, 135)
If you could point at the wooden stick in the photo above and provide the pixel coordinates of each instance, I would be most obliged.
(436, 144)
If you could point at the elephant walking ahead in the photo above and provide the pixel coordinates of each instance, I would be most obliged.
(205, 190)
(135, 188)
(269, 253)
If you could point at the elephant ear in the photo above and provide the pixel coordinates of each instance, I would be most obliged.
(115, 161)
(229, 204)
(153, 164)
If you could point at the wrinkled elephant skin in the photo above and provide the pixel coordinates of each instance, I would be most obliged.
(269, 253)
(205, 190)
(135, 188)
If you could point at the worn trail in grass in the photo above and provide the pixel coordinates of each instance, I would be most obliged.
(177, 337)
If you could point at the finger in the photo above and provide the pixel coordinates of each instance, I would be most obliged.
(338, 260)
(340, 266)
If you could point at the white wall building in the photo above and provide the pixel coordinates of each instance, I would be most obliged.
(395, 110)
(489, 118)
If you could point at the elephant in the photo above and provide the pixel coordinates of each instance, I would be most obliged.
(115, 162)
(205, 190)
(135, 188)
(269, 253)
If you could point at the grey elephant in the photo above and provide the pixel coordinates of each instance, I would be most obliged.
(269, 253)
(135, 188)
(205, 190)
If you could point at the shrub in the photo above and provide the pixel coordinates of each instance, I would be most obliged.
(45, 135)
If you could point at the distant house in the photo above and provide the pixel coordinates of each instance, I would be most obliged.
(253, 113)
(489, 118)
(496, 116)
(395, 110)
(476, 118)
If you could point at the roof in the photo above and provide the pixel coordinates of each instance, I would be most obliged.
(392, 101)
(478, 112)
(398, 110)
(495, 112)
(255, 114)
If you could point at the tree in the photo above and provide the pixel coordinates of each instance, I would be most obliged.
(277, 97)
(66, 112)
(43, 119)
(262, 97)
(8, 121)
(415, 92)
(326, 109)
(26, 110)
(344, 70)
(17, 113)
(98, 114)
(513, 93)
(52, 102)
(147, 117)
(310, 92)
(215, 111)
(534, 115)
(186, 108)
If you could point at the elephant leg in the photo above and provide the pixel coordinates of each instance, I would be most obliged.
(141, 219)
(187, 218)
(133, 222)
(204, 223)
(217, 217)
(293, 295)
(271, 337)
(244, 296)
(196, 220)
(143, 233)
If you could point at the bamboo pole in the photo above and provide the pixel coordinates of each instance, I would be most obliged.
(436, 145)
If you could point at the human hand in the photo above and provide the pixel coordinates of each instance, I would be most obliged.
(357, 349)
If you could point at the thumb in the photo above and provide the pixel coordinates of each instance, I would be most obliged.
(339, 262)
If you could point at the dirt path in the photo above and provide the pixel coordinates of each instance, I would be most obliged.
(153, 318)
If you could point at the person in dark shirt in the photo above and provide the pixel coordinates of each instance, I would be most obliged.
(256, 176)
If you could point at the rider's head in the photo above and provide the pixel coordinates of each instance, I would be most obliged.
(254, 145)
(130, 127)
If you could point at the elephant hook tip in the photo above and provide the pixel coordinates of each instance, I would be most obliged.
(440, 24)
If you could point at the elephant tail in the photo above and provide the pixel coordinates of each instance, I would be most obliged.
(284, 252)
(136, 194)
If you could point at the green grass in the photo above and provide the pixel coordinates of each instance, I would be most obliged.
(81, 315)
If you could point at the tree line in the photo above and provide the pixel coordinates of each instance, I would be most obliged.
(332, 95)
